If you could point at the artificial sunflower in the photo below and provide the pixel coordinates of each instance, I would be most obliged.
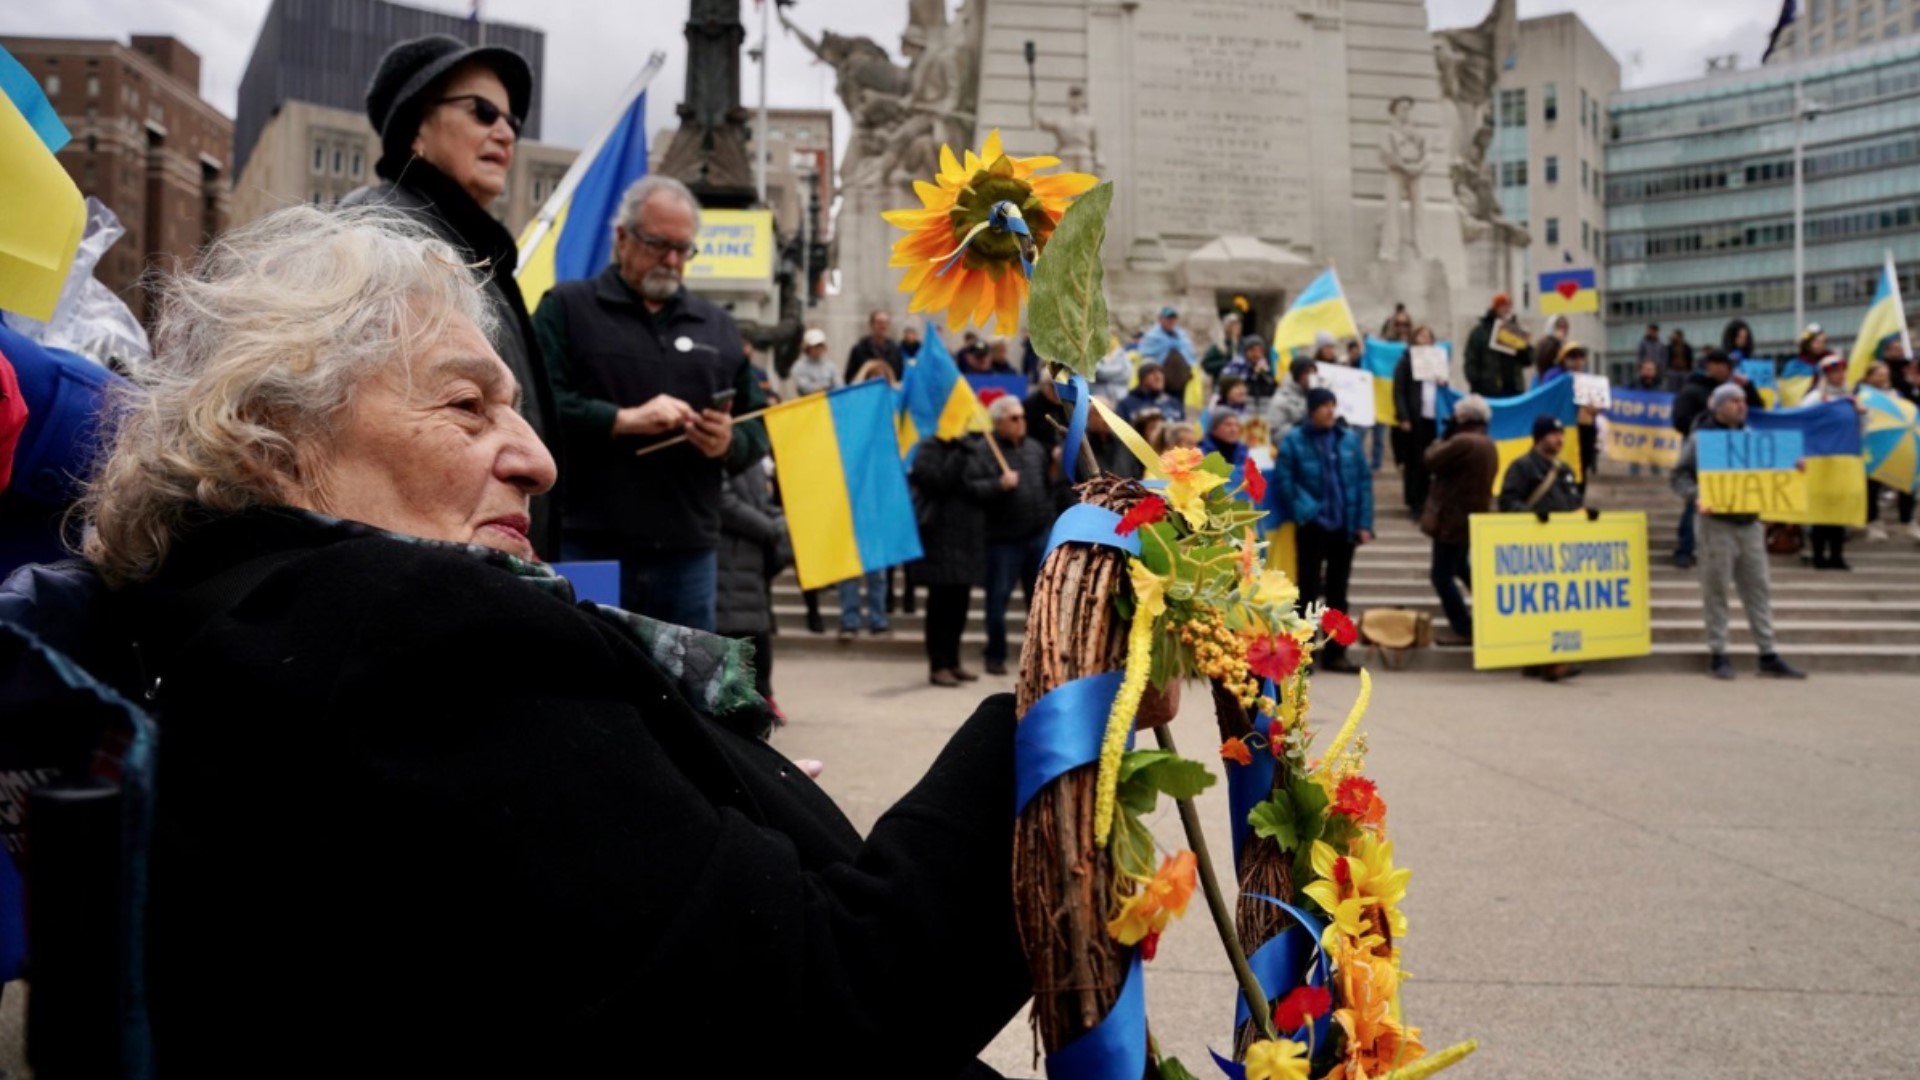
(965, 251)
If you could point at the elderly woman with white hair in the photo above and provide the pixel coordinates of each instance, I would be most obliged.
(419, 813)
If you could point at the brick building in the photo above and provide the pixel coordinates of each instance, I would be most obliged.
(144, 143)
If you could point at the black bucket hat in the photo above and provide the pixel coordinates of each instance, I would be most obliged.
(396, 98)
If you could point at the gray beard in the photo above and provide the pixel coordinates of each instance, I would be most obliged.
(659, 285)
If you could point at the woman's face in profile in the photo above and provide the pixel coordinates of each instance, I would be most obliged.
(438, 450)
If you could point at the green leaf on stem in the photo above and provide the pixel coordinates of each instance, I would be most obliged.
(1067, 311)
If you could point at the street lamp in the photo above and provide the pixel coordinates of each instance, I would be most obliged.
(1803, 110)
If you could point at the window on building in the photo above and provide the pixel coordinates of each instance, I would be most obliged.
(93, 86)
(319, 159)
(359, 164)
(53, 86)
(1550, 108)
(1553, 230)
(1513, 108)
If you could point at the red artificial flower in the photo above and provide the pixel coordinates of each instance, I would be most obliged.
(1273, 656)
(1359, 798)
(1235, 750)
(1256, 484)
(1145, 512)
(1303, 1005)
(1338, 627)
(1150, 945)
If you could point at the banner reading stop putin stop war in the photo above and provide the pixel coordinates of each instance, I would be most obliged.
(1565, 590)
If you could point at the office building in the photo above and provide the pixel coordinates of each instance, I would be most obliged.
(1699, 181)
(144, 143)
(1825, 27)
(1548, 149)
(326, 51)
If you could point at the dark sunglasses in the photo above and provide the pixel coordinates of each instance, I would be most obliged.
(486, 111)
(660, 247)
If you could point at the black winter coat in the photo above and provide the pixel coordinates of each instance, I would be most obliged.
(753, 548)
(417, 817)
(953, 483)
(432, 198)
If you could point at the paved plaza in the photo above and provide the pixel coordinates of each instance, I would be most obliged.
(1625, 876)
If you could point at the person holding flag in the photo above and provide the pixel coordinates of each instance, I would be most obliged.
(449, 119)
(637, 360)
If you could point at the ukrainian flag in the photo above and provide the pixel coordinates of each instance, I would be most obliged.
(1836, 471)
(572, 236)
(1512, 426)
(1568, 292)
(1321, 307)
(1796, 381)
(844, 487)
(933, 396)
(1380, 358)
(1885, 321)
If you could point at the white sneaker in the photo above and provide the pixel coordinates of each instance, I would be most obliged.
(1876, 533)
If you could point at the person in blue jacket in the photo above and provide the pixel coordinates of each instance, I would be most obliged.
(1323, 484)
(64, 395)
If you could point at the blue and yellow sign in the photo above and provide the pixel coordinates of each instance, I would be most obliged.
(735, 245)
(1566, 590)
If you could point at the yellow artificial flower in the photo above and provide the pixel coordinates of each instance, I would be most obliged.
(1278, 1059)
(1188, 483)
(1149, 588)
(988, 279)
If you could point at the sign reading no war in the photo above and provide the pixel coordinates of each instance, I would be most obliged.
(1560, 591)
(1752, 472)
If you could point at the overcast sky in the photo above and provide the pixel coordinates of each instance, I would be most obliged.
(594, 47)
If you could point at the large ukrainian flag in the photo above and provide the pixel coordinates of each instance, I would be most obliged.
(1511, 428)
(572, 236)
(1885, 321)
(1835, 470)
(844, 487)
(1321, 307)
(934, 399)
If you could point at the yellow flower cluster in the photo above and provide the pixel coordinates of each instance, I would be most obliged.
(1220, 655)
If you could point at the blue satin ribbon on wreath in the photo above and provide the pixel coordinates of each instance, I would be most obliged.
(1290, 959)
(1076, 392)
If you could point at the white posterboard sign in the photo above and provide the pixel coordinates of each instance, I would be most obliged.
(1429, 363)
(1352, 388)
(1593, 391)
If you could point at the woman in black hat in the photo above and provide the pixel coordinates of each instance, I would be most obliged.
(449, 116)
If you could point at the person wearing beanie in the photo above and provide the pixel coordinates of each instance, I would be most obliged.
(1322, 483)
(1151, 393)
(449, 117)
(1462, 467)
(1733, 549)
(1494, 370)
(1288, 409)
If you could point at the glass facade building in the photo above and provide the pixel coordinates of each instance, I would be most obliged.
(1699, 194)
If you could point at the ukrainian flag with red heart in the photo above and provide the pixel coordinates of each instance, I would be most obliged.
(1568, 292)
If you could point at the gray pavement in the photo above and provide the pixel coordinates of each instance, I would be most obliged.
(1624, 876)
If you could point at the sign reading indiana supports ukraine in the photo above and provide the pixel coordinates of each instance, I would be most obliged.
(1639, 429)
(1566, 590)
(735, 245)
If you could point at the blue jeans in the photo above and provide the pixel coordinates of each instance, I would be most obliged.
(1009, 562)
(1683, 543)
(876, 583)
(671, 586)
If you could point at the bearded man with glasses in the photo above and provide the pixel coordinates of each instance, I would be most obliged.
(638, 360)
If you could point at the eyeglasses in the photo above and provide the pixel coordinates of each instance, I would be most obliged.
(659, 246)
(486, 111)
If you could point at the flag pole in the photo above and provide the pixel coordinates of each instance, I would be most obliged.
(556, 202)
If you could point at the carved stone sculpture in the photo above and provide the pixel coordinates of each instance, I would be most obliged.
(1403, 150)
(1076, 141)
